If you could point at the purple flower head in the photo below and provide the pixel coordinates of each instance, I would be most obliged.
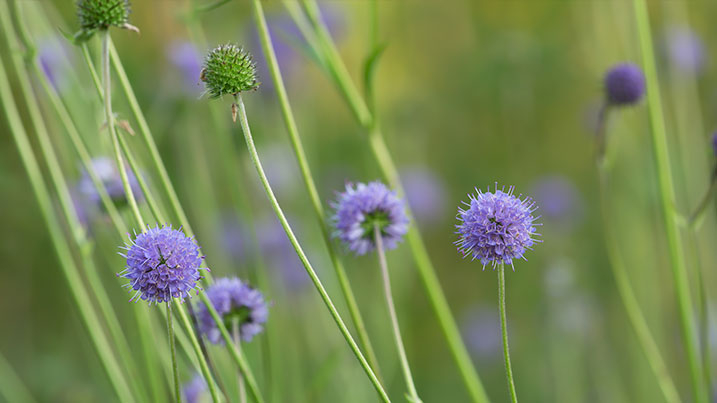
(481, 330)
(193, 390)
(425, 193)
(52, 55)
(108, 173)
(624, 84)
(187, 59)
(234, 301)
(362, 207)
(559, 200)
(162, 263)
(685, 49)
(496, 227)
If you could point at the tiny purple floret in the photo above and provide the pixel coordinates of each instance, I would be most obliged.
(497, 227)
(162, 263)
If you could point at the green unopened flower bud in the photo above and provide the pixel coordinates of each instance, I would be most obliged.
(97, 15)
(228, 69)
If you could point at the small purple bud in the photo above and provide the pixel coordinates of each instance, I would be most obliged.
(624, 84)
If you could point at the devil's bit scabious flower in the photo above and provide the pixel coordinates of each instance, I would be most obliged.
(162, 263)
(98, 15)
(496, 227)
(228, 69)
(107, 172)
(624, 84)
(363, 206)
(234, 301)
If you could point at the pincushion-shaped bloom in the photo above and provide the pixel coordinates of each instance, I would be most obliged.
(162, 263)
(99, 15)
(362, 207)
(624, 84)
(234, 301)
(229, 70)
(496, 227)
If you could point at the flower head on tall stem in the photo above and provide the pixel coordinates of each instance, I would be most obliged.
(162, 264)
(624, 85)
(234, 300)
(360, 208)
(99, 15)
(497, 227)
(229, 70)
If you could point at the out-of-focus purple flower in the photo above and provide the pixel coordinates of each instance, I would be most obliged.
(360, 208)
(714, 143)
(193, 390)
(624, 84)
(496, 227)
(685, 49)
(234, 301)
(481, 330)
(279, 254)
(52, 56)
(188, 61)
(162, 263)
(425, 193)
(107, 172)
(559, 200)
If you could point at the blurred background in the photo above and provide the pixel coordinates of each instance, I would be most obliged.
(468, 93)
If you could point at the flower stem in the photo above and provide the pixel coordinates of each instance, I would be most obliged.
(237, 342)
(311, 188)
(320, 41)
(59, 241)
(504, 333)
(629, 300)
(173, 352)
(300, 252)
(413, 394)
(113, 130)
(667, 201)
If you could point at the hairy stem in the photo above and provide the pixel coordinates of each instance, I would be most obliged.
(504, 333)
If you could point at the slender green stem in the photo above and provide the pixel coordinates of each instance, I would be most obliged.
(629, 300)
(504, 333)
(699, 213)
(12, 388)
(413, 394)
(300, 252)
(311, 188)
(173, 353)
(667, 201)
(321, 42)
(113, 130)
(60, 244)
(237, 342)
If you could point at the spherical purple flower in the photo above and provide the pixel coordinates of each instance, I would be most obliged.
(193, 390)
(496, 227)
(362, 207)
(624, 84)
(234, 301)
(162, 263)
(685, 49)
(106, 170)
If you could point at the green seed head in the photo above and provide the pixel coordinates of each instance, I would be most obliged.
(96, 15)
(228, 69)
